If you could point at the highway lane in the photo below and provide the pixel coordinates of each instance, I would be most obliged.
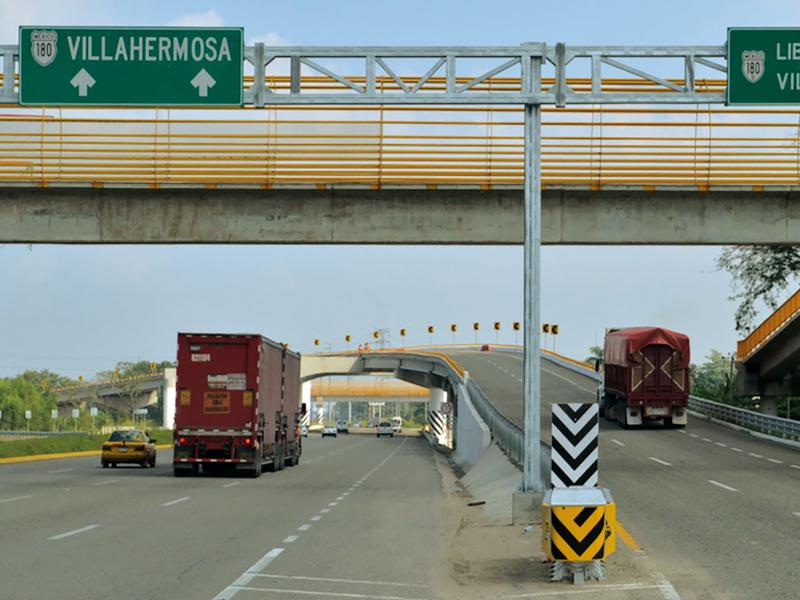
(716, 510)
(357, 509)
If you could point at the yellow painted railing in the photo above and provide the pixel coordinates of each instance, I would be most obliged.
(367, 389)
(384, 146)
(769, 327)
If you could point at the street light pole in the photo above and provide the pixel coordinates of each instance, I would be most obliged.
(532, 473)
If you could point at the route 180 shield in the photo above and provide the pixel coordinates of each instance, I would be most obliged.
(753, 64)
(44, 45)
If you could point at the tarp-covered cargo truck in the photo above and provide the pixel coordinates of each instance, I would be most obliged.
(238, 404)
(646, 376)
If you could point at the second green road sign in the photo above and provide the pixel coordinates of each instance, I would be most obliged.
(763, 65)
(130, 66)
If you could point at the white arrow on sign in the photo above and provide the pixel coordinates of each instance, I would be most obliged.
(83, 81)
(202, 81)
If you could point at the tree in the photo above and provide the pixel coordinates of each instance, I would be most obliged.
(595, 356)
(758, 273)
(714, 379)
(18, 395)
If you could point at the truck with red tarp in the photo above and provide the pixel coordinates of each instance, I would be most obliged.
(238, 404)
(646, 376)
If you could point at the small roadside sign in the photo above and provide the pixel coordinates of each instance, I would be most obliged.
(93, 411)
(76, 412)
(28, 415)
(54, 413)
(134, 66)
(446, 408)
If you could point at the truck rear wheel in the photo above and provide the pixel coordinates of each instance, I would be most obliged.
(622, 415)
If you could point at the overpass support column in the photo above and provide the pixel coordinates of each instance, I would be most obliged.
(769, 406)
(436, 419)
(168, 397)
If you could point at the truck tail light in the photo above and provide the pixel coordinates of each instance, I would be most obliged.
(248, 441)
(181, 440)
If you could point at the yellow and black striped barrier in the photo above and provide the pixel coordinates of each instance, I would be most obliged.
(578, 530)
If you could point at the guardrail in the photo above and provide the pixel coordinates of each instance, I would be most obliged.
(768, 424)
(31, 434)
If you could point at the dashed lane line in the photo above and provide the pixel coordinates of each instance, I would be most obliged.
(231, 484)
(15, 498)
(754, 455)
(304, 527)
(315, 518)
(722, 485)
(661, 462)
(795, 467)
(775, 461)
(67, 534)
(721, 445)
(737, 449)
(618, 443)
(106, 482)
(176, 501)
(290, 539)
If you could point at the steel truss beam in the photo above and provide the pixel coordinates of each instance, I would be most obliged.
(444, 62)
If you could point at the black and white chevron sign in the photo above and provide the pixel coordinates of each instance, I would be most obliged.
(437, 422)
(574, 443)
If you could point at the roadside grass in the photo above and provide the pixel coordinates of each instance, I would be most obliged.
(67, 443)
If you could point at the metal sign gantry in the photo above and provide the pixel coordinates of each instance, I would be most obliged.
(524, 63)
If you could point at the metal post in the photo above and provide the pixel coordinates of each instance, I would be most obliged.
(532, 468)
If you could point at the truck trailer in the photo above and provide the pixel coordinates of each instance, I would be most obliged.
(646, 376)
(238, 404)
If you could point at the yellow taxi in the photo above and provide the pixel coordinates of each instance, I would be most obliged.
(129, 446)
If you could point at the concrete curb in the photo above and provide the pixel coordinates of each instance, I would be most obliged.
(57, 455)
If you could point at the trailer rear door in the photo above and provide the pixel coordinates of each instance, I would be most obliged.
(216, 381)
(661, 377)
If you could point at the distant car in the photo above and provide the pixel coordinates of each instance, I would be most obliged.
(341, 427)
(304, 430)
(385, 428)
(329, 430)
(132, 446)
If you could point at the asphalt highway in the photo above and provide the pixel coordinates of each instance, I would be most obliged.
(357, 518)
(716, 510)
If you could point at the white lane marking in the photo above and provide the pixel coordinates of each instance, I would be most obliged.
(346, 494)
(304, 527)
(66, 534)
(796, 514)
(722, 485)
(659, 461)
(60, 471)
(231, 484)
(332, 503)
(325, 510)
(106, 482)
(775, 460)
(331, 580)
(721, 445)
(171, 502)
(593, 590)
(795, 466)
(694, 435)
(15, 498)
(754, 455)
(340, 498)
(618, 443)
(737, 449)
(290, 539)
(246, 577)
(681, 431)
(316, 518)
(308, 593)
(580, 387)
(706, 440)
(665, 587)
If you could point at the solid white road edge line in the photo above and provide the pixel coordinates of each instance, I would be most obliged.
(308, 593)
(61, 471)
(61, 536)
(231, 484)
(106, 482)
(331, 580)
(245, 578)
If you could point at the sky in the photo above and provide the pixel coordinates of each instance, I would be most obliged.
(81, 309)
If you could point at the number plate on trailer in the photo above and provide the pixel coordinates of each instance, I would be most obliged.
(658, 411)
(122, 449)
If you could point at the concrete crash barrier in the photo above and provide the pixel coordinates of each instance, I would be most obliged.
(579, 527)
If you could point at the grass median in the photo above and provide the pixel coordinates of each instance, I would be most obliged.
(65, 443)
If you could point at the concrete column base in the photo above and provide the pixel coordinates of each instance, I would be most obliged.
(526, 508)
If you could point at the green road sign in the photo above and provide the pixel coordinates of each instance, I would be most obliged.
(159, 66)
(763, 65)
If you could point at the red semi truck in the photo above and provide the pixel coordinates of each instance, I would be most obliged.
(238, 404)
(646, 376)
